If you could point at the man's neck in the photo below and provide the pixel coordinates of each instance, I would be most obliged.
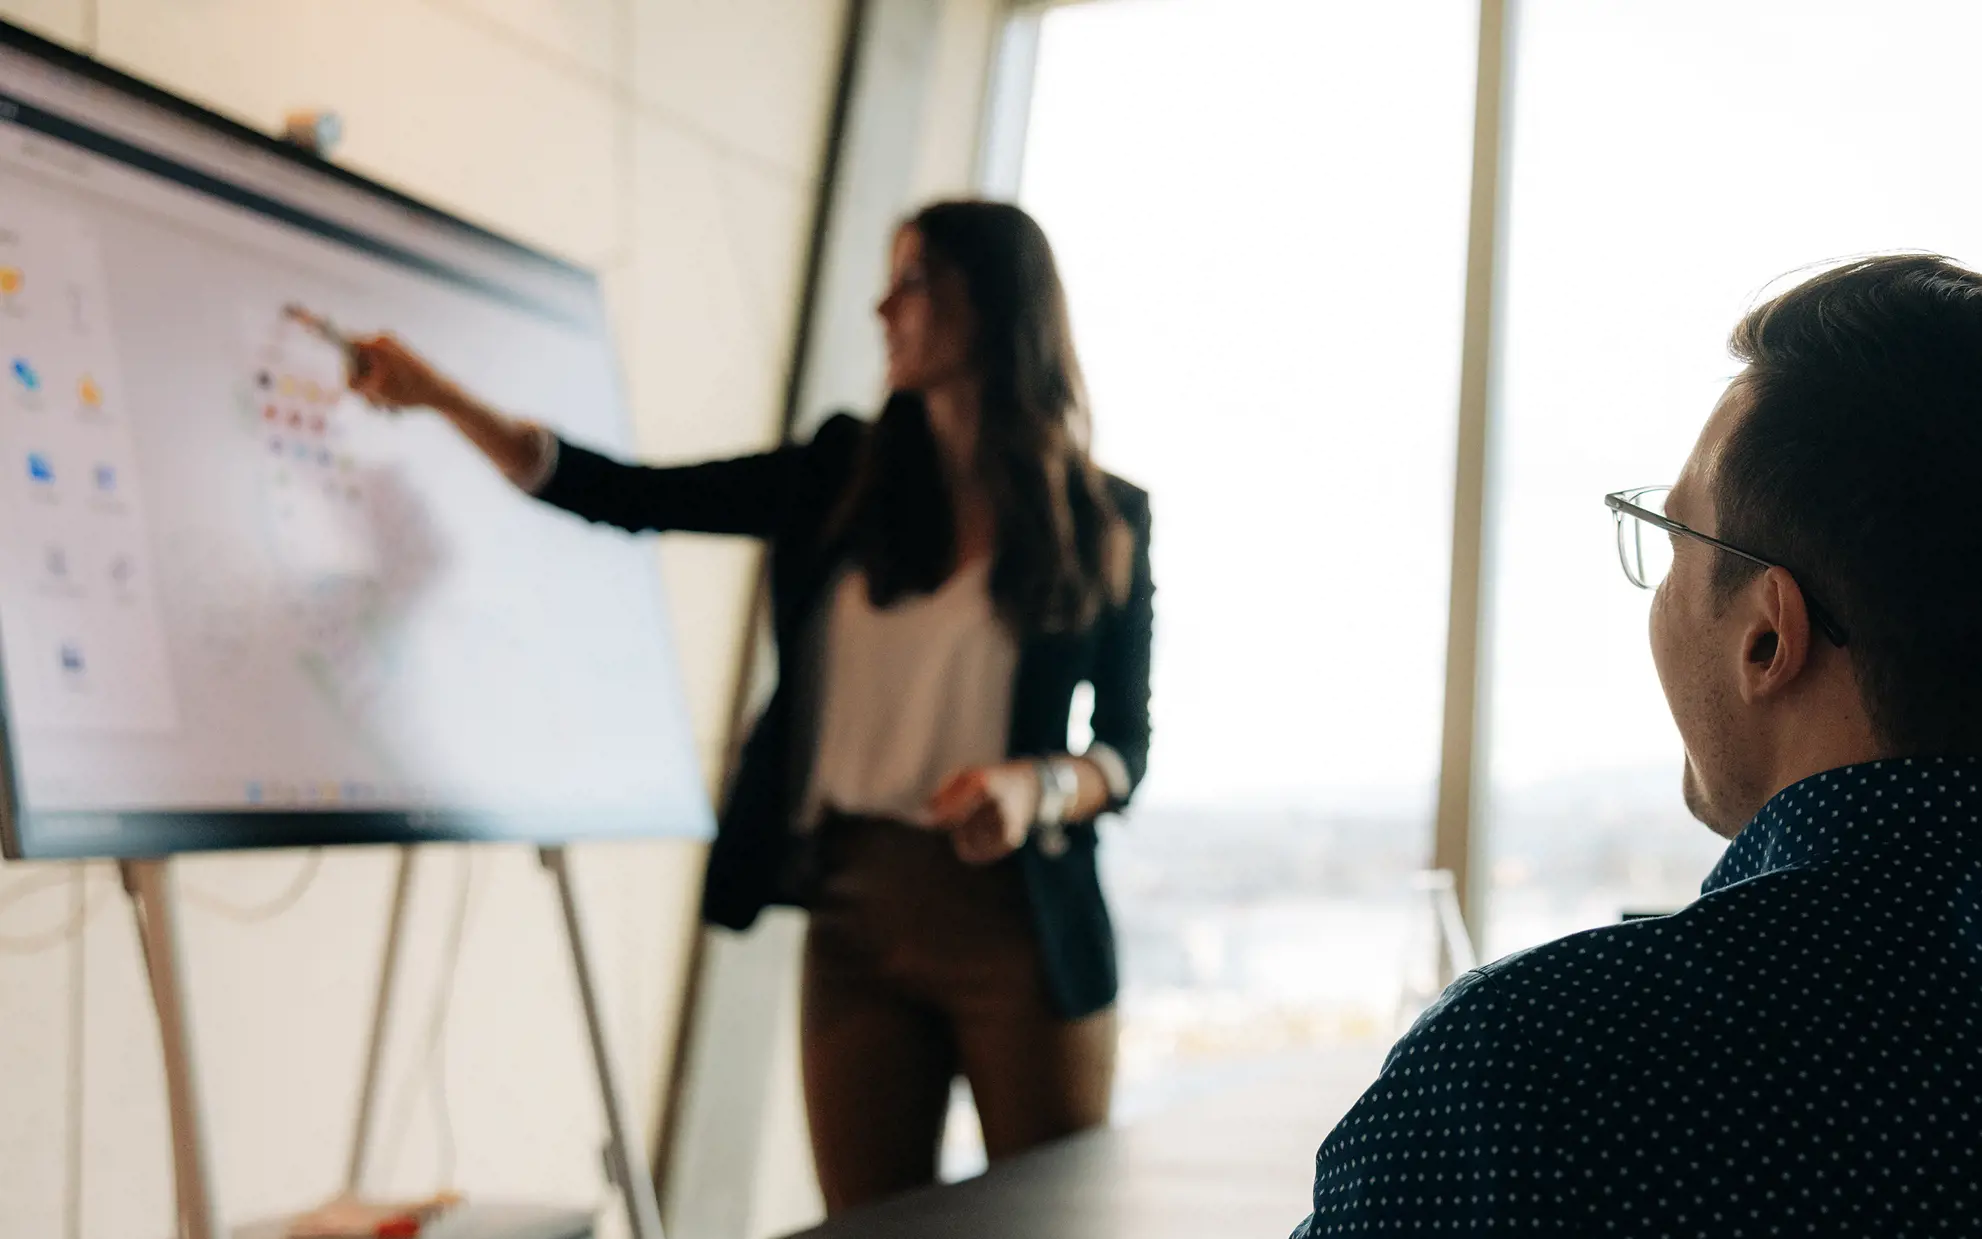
(1822, 741)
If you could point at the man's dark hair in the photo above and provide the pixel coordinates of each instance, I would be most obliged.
(1858, 465)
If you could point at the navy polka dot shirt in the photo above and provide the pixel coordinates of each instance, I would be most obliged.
(1798, 1052)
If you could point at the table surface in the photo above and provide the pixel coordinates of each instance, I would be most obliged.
(1237, 1163)
(474, 1221)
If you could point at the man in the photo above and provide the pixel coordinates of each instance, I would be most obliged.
(1799, 1051)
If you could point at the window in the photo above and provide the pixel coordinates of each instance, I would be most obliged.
(1669, 161)
(1259, 208)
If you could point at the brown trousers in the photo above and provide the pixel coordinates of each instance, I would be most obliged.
(918, 966)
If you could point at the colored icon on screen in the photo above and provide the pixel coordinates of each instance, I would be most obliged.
(25, 374)
(106, 479)
(88, 394)
(11, 281)
(72, 658)
(40, 469)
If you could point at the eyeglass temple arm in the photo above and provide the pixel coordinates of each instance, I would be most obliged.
(1832, 630)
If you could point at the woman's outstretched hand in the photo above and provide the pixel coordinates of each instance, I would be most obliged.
(392, 376)
(988, 810)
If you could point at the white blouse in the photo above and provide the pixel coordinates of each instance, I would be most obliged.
(909, 696)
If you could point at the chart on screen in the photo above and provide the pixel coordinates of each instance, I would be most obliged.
(239, 606)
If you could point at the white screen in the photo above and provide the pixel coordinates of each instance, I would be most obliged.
(229, 592)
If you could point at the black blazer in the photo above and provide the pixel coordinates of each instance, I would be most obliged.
(786, 497)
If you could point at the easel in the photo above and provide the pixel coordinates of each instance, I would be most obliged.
(148, 883)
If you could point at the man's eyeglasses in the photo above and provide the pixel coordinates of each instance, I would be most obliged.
(1645, 543)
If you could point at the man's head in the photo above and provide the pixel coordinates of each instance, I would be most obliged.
(1848, 450)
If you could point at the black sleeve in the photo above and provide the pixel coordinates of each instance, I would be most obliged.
(1121, 664)
(751, 496)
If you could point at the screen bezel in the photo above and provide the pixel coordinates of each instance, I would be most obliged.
(27, 834)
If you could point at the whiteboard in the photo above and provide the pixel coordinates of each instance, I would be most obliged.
(238, 608)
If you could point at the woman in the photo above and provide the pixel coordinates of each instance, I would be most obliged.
(942, 580)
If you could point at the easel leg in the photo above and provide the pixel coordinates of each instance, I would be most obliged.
(395, 930)
(149, 885)
(628, 1164)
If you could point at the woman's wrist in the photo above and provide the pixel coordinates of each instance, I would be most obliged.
(458, 406)
(1071, 789)
(517, 448)
(1059, 791)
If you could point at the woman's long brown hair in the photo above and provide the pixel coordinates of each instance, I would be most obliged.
(1063, 552)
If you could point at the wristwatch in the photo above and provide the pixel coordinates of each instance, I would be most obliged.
(1059, 787)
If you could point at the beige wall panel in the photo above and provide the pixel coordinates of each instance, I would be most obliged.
(441, 108)
(707, 312)
(585, 36)
(756, 74)
(66, 21)
(947, 162)
(34, 1034)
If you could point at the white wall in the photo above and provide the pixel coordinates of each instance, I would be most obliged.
(672, 143)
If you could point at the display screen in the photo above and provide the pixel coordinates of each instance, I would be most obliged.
(240, 608)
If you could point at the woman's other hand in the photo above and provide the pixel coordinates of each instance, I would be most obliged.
(392, 376)
(988, 810)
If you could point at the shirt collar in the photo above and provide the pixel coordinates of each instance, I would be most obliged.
(1850, 808)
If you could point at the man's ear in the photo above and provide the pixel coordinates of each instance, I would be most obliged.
(1775, 638)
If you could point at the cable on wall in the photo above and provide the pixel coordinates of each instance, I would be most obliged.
(256, 913)
(431, 1069)
(82, 907)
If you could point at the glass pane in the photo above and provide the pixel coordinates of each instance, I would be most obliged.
(1670, 162)
(1260, 210)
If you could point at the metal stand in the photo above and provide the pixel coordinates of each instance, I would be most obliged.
(368, 1090)
(625, 1162)
(149, 885)
(624, 1158)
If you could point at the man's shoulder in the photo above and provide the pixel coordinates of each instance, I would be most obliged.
(1525, 995)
